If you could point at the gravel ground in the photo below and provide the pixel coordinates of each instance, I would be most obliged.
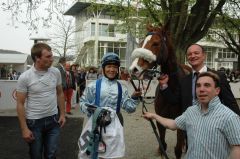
(141, 142)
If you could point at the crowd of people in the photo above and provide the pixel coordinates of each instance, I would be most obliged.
(45, 94)
(10, 75)
(232, 75)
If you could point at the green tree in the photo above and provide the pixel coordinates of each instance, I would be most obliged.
(34, 13)
(228, 28)
(188, 21)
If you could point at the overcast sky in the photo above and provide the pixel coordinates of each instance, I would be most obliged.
(13, 38)
(16, 38)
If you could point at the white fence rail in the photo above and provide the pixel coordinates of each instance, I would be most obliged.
(8, 91)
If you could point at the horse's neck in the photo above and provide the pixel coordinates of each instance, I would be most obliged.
(169, 68)
(174, 72)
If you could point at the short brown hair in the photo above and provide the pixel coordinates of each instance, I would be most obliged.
(212, 75)
(36, 51)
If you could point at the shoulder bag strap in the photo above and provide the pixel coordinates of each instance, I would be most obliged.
(98, 88)
(119, 97)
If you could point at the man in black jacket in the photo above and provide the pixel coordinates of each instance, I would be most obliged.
(185, 96)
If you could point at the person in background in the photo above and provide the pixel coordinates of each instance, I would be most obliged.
(61, 66)
(185, 95)
(99, 73)
(70, 86)
(81, 80)
(40, 104)
(14, 75)
(75, 96)
(91, 74)
(212, 128)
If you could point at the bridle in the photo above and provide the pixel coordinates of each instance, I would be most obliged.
(144, 109)
(151, 73)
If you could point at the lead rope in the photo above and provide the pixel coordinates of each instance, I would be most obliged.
(150, 120)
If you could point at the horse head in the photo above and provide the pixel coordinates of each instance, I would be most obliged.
(154, 52)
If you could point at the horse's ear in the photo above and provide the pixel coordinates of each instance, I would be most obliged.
(149, 27)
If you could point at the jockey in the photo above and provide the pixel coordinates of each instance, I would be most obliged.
(110, 59)
(110, 97)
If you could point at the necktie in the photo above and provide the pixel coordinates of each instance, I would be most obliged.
(195, 75)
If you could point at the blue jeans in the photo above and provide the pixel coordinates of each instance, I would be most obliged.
(46, 132)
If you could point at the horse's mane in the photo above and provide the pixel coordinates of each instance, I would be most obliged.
(170, 64)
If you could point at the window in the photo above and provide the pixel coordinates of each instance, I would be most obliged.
(106, 30)
(118, 48)
(103, 29)
(209, 59)
(226, 54)
(92, 29)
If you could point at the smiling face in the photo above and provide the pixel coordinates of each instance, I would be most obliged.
(196, 57)
(206, 89)
(111, 71)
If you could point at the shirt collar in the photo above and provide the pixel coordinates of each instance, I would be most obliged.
(211, 105)
(107, 80)
(203, 69)
(38, 72)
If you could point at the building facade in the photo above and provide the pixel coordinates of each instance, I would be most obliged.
(97, 34)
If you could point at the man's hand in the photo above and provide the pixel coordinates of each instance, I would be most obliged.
(62, 120)
(27, 135)
(163, 79)
(136, 94)
(148, 115)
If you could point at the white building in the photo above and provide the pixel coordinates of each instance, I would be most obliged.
(97, 35)
(218, 55)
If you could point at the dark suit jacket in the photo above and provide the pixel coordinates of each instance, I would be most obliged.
(183, 95)
(63, 75)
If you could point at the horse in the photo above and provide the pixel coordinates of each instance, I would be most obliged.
(156, 52)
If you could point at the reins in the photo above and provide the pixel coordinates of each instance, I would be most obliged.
(144, 109)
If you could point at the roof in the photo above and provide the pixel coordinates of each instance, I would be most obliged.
(76, 8)
(13, 58)
(2, 51)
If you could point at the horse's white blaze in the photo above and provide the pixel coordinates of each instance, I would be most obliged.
(142, 53)
(135, 65)
(148, 38)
